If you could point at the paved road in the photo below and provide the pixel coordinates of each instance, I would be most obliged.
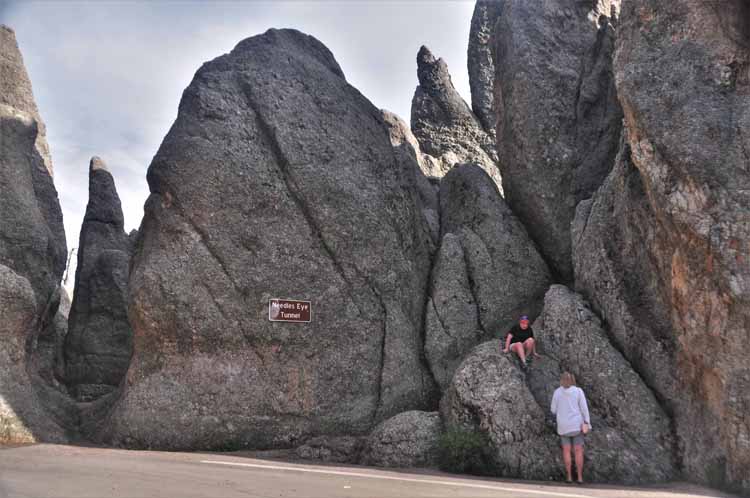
(42, 471)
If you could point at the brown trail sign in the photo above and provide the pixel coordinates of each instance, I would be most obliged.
(288, 310)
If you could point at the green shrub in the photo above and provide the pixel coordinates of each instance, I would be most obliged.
(465, 452)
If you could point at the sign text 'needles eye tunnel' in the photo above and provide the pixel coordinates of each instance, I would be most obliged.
(289, 310)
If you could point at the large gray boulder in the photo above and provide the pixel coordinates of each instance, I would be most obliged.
(558, 117)
(32, 260)
(627, 417)
(490, 393)
(99, 342)
(277, 180)
(661, 251)
(444, 125)
(487, 271)
(480, 64)
(409, 439)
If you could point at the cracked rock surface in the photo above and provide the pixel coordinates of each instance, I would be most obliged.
(480, 64)
(558, 118)
(662, 249)
(444, 125)
(277, 180)
(491, 393)
(487, 271)
(409, 439)
(32, 259)
(99, 341)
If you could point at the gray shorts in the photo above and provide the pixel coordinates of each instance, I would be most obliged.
(572, 438)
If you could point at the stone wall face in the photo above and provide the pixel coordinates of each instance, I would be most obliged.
(278, 180)
(32, 260)
(558, 118)
(676, 289)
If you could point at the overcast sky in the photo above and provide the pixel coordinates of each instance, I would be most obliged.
(108, 76)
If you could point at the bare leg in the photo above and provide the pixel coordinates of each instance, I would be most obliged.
(529, 346)
(579, 462)
(518, 348)
(568, 462)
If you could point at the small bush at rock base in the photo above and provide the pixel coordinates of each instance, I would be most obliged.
(465, 452)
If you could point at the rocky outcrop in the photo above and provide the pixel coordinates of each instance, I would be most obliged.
(661, 250)
(480, 63)
(444, 125)
(425, 169)
(404, 140)
(99, 343)
(338, 449)
(15, 91)
(487, 271)
(32, 260)
(278, 179)
(409, 439)
(559, 120)
(627, 418)
(490, 393)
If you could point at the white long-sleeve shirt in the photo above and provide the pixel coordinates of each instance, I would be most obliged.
(569, 405)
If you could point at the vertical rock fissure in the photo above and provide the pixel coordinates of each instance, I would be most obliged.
(283, 163)
(379, 395)
(472, 288)
(291, 187)
(440, 319)
(205, 241)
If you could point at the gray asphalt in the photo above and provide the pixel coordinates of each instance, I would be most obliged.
(42, 471)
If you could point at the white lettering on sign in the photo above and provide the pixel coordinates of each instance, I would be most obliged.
(289, 310)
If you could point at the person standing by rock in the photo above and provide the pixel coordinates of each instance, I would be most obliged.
(573, 422)
(520, 340)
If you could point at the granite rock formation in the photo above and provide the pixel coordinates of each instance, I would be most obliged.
(444, 125)
(480, 63)
(32, 260)
(278, 179)
(425, 168)
(337, 449)
(99, 342)
(559, 120)
(489, 392)
(661, 250)
(409, 439)
(16, 92)
(486, 274)
(628, 420)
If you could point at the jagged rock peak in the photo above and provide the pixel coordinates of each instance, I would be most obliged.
(97, 164)
(15, 88)
(435, 80)
(444, 125)
(104, 202)
(99, 341)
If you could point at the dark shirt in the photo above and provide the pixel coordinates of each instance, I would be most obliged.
(520, 335)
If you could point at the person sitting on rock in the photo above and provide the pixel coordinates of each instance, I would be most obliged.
(573, 422)
(520, 340)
